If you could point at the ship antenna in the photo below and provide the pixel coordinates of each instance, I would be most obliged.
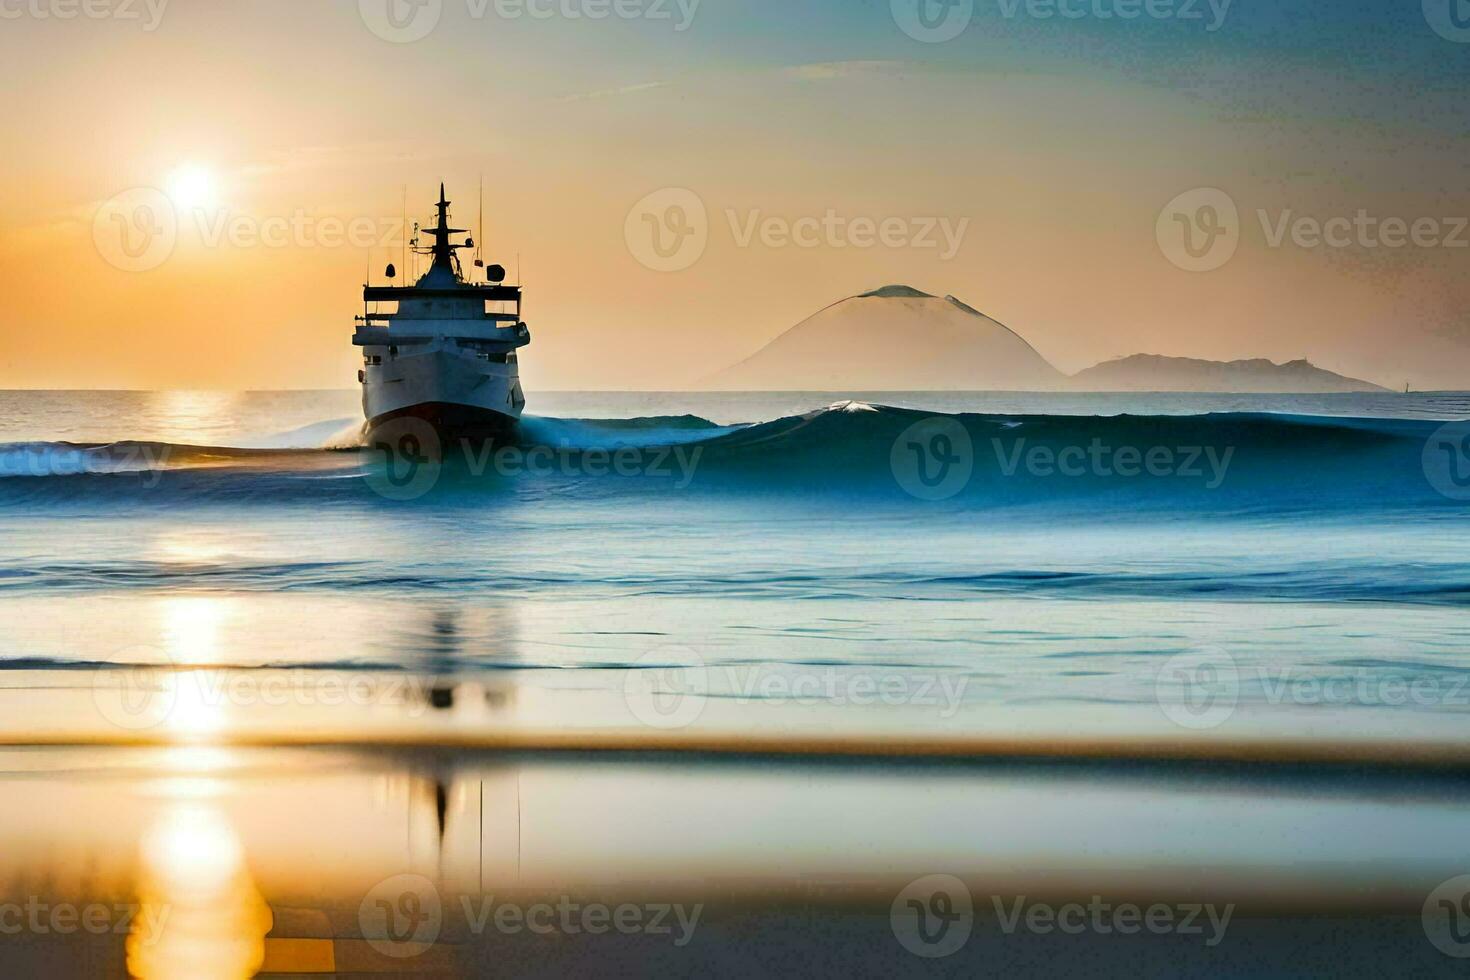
(403, 242)
(480, 228)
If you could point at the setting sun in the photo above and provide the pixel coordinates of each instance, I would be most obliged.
(191, 186)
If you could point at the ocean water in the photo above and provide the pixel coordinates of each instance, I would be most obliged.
(1201, 565)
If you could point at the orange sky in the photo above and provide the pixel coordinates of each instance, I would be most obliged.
(286, 117)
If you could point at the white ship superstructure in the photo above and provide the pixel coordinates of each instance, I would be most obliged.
(441, 355)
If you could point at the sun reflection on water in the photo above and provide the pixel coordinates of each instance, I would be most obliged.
(192, 545)
(191, 627)
(201, 914)
(191, 417)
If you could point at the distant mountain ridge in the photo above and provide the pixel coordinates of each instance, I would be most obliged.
(893, 338)
(898, 338)
(1155, 372)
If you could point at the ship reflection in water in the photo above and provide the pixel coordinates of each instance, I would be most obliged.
(428, 814)
(211, 857)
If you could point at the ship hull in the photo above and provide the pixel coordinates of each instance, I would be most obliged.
(451, 421)
(456, 393)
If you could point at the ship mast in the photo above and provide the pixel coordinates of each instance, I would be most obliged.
(443, 249)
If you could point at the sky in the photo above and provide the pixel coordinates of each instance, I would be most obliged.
(193, 193)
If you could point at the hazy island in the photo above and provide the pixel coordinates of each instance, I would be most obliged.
(899, 338)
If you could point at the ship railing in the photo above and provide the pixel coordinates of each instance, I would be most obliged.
(511, 335)
(390, 317)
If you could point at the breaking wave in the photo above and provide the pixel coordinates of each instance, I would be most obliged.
(1238, 461)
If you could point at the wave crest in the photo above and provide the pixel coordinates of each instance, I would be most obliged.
(1258, 462)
